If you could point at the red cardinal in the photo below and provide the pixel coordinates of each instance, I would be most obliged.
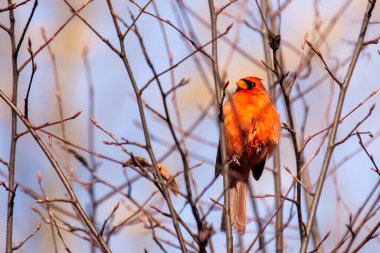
(252, 128)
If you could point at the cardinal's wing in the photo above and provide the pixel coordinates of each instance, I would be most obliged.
(257, 170)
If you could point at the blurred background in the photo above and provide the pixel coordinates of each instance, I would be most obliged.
(337, 23)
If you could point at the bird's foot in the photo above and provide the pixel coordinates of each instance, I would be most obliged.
(236, 158)
(258, 149)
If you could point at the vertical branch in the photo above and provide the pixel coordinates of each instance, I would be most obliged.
(276, 153)
(222, 139)
(12, 156)
(334, 129)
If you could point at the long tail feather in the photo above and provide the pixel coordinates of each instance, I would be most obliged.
(238, 203)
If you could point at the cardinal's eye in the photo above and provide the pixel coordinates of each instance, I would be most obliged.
(250, 84)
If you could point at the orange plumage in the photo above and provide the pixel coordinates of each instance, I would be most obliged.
(252, 129)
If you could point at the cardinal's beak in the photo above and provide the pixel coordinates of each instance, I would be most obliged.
(241, 85)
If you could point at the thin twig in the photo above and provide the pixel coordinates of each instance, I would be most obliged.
(31, 15)
(47, 124)
(108, 218)
(34, 69)
(376, 169)
(320, 243)
(36, 229)
(317, 52)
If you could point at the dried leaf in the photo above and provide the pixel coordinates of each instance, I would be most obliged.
(136, 161)
(163, 171)
(171, 183)
(169, 178)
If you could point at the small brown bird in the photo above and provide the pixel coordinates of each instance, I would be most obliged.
(252, 129)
